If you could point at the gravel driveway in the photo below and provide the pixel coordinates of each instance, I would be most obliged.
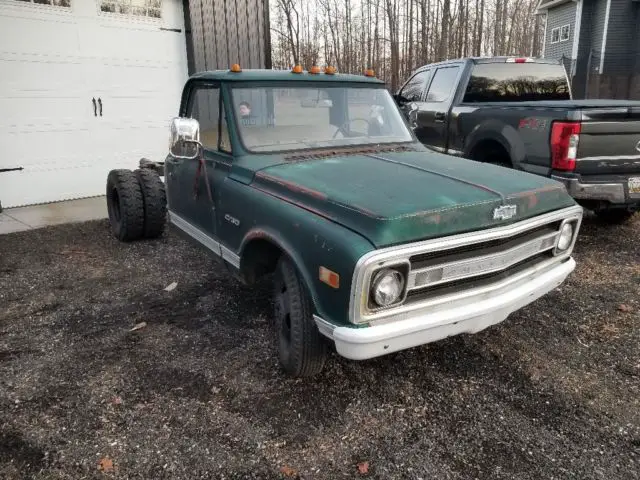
(554, 392)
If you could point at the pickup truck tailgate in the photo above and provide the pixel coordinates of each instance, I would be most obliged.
(609, 141)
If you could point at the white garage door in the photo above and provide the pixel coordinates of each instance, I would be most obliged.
(85, 86)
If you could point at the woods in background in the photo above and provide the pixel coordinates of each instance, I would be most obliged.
(395, 36)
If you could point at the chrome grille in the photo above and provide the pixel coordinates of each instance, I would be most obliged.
(490, 257)
(446, 268)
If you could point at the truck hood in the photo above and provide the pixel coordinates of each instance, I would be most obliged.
(399, 197)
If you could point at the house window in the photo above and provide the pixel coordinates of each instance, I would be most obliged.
(55, 3)
(560, 34)
(138, 8)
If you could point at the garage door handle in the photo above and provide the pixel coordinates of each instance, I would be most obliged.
(95, 112)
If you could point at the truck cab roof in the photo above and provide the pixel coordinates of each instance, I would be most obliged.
(253, 75)
(478, 60)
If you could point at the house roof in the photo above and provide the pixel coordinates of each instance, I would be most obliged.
(544, 5)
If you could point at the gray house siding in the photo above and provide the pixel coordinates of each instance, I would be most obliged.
(579, 80)
(612, 73)
(619, 53)
(597, 25)
(557, 17)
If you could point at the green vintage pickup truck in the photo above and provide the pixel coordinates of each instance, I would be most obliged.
(375, 243)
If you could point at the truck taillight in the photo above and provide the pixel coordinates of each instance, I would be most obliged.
(564, 145)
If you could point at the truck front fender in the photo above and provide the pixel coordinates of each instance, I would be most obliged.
(310, 241)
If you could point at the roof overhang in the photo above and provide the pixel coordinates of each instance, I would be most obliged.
(544, 5)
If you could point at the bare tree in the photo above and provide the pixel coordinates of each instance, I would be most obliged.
(394, 36)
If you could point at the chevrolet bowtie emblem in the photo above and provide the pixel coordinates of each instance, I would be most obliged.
(505, 212)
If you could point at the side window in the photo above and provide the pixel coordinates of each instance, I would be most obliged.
(444, 82)
(414, 88)
(204, 106)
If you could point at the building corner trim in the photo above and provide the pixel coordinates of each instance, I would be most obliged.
(604, 36)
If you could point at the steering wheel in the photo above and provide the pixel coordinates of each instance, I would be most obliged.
(344, 128)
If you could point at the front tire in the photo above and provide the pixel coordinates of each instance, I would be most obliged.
(301, 347)
(125, 205)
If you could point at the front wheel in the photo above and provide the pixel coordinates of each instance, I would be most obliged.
(302, 348)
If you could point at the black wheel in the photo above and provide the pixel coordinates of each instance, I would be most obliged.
(302, 348)
(154, 201)
(614, 216)
(125, 206)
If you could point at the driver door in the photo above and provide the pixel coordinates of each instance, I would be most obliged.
(191, 196)
(413, 92)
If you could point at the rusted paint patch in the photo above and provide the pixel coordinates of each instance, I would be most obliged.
(294, 187)
(547, 188)
(334, 152)
(294, 202)
(432, 219)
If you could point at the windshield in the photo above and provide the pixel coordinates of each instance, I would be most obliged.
(279, 119)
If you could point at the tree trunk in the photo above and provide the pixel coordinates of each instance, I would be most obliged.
(444, 31)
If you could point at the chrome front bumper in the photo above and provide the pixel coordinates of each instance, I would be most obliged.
(611, 192)
(472, 312)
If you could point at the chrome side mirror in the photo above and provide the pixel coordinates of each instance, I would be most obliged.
(184, 141)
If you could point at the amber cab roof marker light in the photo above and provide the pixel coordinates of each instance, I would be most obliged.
(314, 70)
(369, 73)
(297, 69)
(235, 68)
(329, 70)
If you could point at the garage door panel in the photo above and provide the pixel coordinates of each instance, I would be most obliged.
(45, 35)
(25, 73)
(30, 187)
(133, 67)
(50, 150)
(33, 113)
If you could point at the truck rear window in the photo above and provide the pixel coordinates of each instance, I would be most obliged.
(517, 82)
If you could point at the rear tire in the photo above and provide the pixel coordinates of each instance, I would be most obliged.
(301, 347)
(614, 216)
(125, 205)
(154, 202)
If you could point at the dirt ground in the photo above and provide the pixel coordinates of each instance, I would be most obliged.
(553, 392)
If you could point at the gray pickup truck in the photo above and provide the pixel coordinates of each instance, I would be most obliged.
(519, 113)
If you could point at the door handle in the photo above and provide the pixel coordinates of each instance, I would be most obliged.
(440, 117)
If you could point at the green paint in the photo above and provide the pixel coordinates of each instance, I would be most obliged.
(392, 203)
(331, 211)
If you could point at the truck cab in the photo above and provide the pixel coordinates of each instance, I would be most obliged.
(373, 242)
(519, 113)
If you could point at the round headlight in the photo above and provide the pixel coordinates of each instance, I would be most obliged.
(387, 287)
(566, 235)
